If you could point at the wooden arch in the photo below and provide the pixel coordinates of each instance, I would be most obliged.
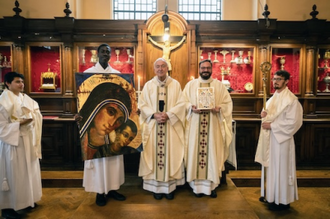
(181, 57)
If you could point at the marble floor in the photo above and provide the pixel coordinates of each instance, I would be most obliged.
(232, 202)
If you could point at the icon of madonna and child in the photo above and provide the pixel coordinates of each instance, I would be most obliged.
(108, 120)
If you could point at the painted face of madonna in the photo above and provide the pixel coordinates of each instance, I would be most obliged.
(109, 118)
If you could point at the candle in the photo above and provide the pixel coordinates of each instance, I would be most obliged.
(138, 83)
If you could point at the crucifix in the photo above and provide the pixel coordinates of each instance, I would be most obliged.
(165, 42)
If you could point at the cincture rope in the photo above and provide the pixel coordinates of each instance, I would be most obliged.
(5, 186)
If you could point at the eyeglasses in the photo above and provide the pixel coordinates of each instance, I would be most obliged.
(161, 66)
(206, 68)
(277, 79)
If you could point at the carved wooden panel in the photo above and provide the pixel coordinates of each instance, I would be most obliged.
(57, 106)
(244, 106)
(320, 148)
(60, 146)
(322, 106)
(312, 144)
(247, 135)
(315, 145)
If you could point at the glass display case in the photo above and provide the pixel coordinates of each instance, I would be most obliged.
(5, 63)
(323, 76)
(233, 66)
(289, 59)
(122, 58)
(45, 68)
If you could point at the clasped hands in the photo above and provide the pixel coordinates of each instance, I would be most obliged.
(199, 111)
(161, 117)
(25, 121)
(265, 125)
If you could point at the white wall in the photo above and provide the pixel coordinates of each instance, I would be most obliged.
(239, 10)
(34, 8)
(294, 10)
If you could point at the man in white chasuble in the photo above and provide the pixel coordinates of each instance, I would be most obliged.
(162, 117)
(208, 132)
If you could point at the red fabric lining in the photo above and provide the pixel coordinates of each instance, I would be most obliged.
(122, 66)
(40, 58)
(239, 75)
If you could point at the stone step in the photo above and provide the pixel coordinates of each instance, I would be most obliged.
(241, 178)
(305, 178)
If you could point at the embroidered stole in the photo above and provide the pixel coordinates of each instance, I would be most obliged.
(161, 136)
(203, 144)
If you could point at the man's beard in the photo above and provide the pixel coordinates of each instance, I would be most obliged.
(276, 87)
(205, 77)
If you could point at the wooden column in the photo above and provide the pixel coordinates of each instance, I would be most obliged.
(17, 59)
(193, 58)
(141, 57)
(67, 71)
(310, 68)
(263, 51)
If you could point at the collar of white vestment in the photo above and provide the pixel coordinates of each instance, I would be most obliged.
(164, 83)
(278, 102)
(99, 66)
(201, 80)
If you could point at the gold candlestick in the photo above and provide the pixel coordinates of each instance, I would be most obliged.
(94, 57)
(233, 56)
(129, 56)
(209, 55)
(215, 56)
(117, 51)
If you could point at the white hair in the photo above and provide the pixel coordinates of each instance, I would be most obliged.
(160, 59)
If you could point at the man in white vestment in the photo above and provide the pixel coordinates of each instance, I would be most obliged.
(20, 148)
(162, 116)
(276, 148)
(208, 132)
(104, 175)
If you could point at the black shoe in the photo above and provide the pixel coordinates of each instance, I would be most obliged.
(285, 207)
(115, 195)
(169, 196)
(263, 200)
(213, 194)
(280, 207)
(10, 214)
(31, 208)
(199, 195)
(158, 196)
(100, 199)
